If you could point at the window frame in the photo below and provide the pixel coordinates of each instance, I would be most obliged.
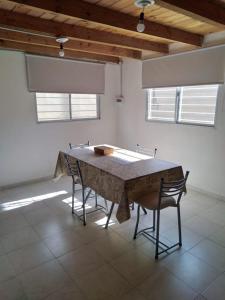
(177, 108)
(70, 111)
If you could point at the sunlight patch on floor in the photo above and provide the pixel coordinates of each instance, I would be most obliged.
(77, 204)
(27, 201)
(101, 222)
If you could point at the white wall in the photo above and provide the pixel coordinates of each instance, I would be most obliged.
(199, 149)
(29, 150)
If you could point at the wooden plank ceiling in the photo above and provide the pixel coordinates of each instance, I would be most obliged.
(105, 30)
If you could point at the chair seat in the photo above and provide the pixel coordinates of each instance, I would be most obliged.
(77, 180)
(151, 201)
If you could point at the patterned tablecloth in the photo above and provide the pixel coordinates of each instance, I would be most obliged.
(121, 177)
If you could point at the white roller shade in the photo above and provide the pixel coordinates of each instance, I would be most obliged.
(203, 66)
(53, 75)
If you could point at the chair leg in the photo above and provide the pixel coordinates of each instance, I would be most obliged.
(179, 225)
(109, 215)
(144, 210)
(96, 200)
(73, 195)
(83, 206)
(153, 220)
(137, 222)
(86, 196)
(106, 206)
(157, 235)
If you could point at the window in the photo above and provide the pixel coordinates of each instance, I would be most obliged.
(162, 103)
(66, 107)
(187, 105)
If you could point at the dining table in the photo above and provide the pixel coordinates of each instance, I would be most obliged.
(120, 177)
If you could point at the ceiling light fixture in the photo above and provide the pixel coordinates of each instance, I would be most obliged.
(142, 4)
(61, 40)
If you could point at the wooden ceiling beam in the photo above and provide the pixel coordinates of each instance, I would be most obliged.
(30, 23)
(23, 37)
(49, 51)
(203, 10)
(102, 15)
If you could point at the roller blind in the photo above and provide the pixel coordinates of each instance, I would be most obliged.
(54, 75)
(205, 66)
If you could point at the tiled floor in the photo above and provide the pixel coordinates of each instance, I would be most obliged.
(46, 253)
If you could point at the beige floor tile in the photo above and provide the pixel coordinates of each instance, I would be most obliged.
(211, 253)
(135, 266)
(5, 213)
(188, 210)
(202, 226)
(205, 202)
(165, 222)
(12, 224)
(103, 284)
(29, 257)
(58, 206)
(56, 224)
(200, 297)
(132, 295)
(98, 219)
(42, 281)
(12, 290)
(19, 239)
(82, 261)
(85, 253)
(216, 214)
(69, 292)
(6, 269)
(111, 246)
(91, 233)
(125, 230)
(216, 291)
(3, 194)
(63, 242)
(49, 228)
(162, 285)
(10, 197)
(148, 247)
(38, 215)
(32, 207)
(219, 237)
(193, 271)
(2, 252)
(189, 237)
(140, 241)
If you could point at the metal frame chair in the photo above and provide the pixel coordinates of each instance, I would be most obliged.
(76, 179)
(74, 170)
(169, 196)
(146, 151)
(72, 146)
(149, 152)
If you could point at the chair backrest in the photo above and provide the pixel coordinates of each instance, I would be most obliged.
(173, 188)
(72, 146)
(147, 151)
(72, 166)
